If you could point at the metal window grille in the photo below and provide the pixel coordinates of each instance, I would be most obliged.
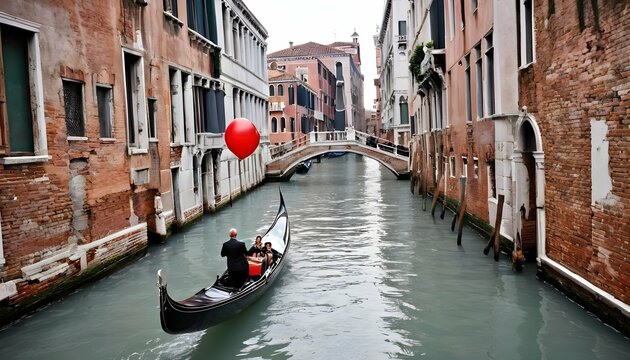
(73, 104)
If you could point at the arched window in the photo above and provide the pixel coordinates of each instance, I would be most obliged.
(292, 124)
(283, 124)
(291, 95)
(274, 124)
(280, 90)
(270, 90)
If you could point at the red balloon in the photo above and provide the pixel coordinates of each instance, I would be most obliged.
(242, 137)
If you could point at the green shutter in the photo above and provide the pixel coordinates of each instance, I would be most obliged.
(16, 84)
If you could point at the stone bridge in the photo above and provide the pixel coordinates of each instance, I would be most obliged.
(286, 157)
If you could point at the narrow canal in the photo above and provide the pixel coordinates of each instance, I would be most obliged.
(369, 276)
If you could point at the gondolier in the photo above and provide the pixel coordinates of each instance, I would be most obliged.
(236, 254)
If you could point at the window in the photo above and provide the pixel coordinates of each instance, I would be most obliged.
(280, 90)
(468, 95)
(195, 173)
(451, 17)
(492, 187)
(452, 166)
(182, 106)
(291, 95)
(476, 167)
(463, 13)
(104, 103)
(200, 107)
(474, 4)
(152, 104)
(202, 18)
(22, 121)
(404, 111)
(529, 31)
(170, 6)
(135, 101)
(489, 75)
(464, 166)
(274, 124)
(402, 28)
(478, 81)
(283, 124)
(73, 105)
(292, 124)
(525, 32)
(271, 91)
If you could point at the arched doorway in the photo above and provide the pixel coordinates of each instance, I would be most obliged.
(529, 195)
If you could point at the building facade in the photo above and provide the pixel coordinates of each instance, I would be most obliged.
(103, 146)
(526, 101)
(345, 59)
(292, 107)
(394, 72)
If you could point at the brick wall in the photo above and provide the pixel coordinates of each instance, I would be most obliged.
(582, 76)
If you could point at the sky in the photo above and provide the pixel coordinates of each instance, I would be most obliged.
(302, 21)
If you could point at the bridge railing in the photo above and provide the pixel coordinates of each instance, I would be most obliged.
(382, 144)
(279, 150)
(352, 135)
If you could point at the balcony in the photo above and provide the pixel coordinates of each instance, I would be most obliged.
(402, 38)
(208, 141)
(277, 106)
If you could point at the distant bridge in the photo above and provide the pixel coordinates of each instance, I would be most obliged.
(286, 157)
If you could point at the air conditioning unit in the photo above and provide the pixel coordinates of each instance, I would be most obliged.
(142, 2)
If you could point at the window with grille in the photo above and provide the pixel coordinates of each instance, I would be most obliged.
(452, 166)
(73, 104)
(104, 102)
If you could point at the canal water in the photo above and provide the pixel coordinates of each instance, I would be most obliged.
(369, 276)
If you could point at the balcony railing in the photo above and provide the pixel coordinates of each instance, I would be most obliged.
(402, 38)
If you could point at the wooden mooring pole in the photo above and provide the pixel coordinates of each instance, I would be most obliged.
(436, 195)
(495, 236)
(462, 193)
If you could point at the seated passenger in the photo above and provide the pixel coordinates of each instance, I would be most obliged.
(257, 249)
(270, 252)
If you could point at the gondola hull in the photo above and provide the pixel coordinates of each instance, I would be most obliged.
(216, 303)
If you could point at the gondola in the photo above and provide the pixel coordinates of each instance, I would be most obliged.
(216, 303)
(303, 167)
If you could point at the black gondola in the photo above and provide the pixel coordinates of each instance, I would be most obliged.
(220, 301)
(303, 167)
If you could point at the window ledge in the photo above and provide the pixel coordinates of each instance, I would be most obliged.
(12, 160)
(200, 39)
(77, 138)
(107, 140)
(137, 151)
(172, 18)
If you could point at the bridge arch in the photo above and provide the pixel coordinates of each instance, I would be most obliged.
(286, 157)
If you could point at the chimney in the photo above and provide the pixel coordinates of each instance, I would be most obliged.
(290, 44)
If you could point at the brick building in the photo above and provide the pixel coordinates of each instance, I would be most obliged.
(529, 100)
(340, 56)
(293, 107)
(111, 122)
(577, 97)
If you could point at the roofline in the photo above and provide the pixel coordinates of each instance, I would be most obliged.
(388, 9)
